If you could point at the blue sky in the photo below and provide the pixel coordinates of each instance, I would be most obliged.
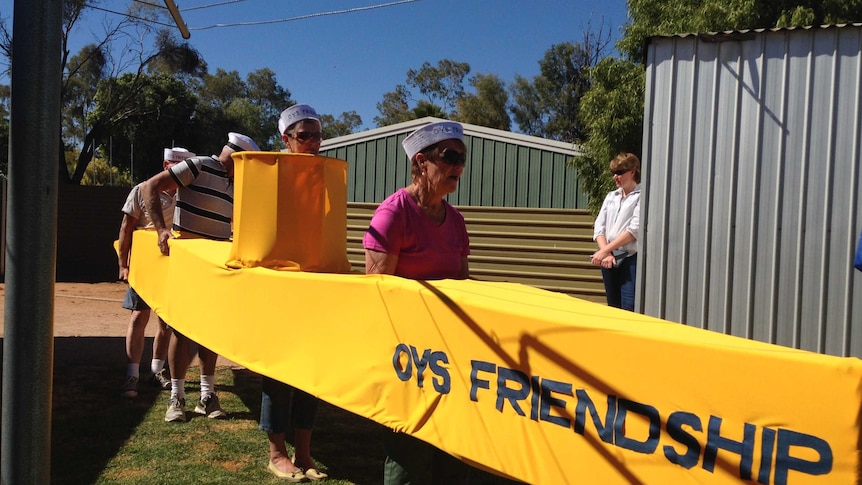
(347, 61)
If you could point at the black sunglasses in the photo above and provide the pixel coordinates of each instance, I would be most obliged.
(620, 172)
(306, 135)
(452, 157)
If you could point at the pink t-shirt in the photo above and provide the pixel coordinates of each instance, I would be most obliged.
(426, 251)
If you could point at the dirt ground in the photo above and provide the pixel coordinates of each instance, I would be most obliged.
(91, 310)
(86, 310)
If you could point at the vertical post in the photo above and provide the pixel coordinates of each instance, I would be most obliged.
(31, 243)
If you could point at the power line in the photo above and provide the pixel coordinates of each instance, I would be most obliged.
(189, 9)
(125, 14)
(238, 24)
(228, 2)
(303, 17)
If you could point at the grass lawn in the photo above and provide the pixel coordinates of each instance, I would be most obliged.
(99, 437)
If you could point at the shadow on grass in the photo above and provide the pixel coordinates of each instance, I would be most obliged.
(90, 420)
(92, 424)
(346, 443)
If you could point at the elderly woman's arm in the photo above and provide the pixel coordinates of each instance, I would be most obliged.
(377, 262)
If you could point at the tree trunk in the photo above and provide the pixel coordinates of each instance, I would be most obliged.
(64, 170)
(87, 152)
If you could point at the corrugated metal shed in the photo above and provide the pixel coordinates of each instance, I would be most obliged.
(504, 169)
(545, 248)
(752, 176)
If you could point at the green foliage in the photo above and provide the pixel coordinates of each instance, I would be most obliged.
(133, 43)
(346, 124)
(662, 17)
(101, 172)
(487, 107)
(395, 107)
(612, 112)
(442, 86)
(426, 108)
(141, 115)
(85, 71)
(548, 105)
(228, 103)
(797, 16)
(668, 17)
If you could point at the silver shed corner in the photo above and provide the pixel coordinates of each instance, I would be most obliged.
(752, 180)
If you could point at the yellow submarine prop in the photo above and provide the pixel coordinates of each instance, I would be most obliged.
(526, 383)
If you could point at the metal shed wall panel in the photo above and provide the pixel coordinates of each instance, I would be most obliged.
(751, 171)
(545, 248)
(503, 169)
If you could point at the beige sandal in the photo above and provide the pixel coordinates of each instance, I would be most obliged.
(293, 477)
(315, 475)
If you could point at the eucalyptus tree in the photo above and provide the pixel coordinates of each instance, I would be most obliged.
(346, 124)
(438, 87)
(131, 43)
(488, 106)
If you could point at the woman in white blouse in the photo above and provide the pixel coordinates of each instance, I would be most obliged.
(616, 232)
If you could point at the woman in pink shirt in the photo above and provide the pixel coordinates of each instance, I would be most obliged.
(416, 234)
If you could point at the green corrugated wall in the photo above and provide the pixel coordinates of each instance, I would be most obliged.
(498, 173)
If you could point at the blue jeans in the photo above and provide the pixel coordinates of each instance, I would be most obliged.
(620, 283)
(277, 410)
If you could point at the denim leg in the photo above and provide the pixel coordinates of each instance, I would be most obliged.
(304, 407)
(612, 287)
(274, 406)
(627, 272)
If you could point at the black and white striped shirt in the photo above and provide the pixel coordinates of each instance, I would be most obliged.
(204, 198)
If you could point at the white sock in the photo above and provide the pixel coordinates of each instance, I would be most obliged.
(133, 370)
(178, 388)
(156, 365)
(207, 385)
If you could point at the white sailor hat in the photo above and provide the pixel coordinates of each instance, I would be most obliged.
(431, 134)
(177, 154)
(297, 112)
(241, 143)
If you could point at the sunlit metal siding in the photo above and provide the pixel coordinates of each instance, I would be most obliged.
(545, 248)
(504, 169)
(752, 183)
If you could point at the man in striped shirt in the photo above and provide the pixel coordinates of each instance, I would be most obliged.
(204, 210)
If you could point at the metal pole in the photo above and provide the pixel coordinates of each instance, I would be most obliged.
(31, 243)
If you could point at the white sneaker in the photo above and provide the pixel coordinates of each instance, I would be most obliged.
(161, 379)
(130, 388)
(176, 410)
(210, 407)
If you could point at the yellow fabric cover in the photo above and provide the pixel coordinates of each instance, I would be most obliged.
(294, 214)
(528, 383)
(533, 384)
